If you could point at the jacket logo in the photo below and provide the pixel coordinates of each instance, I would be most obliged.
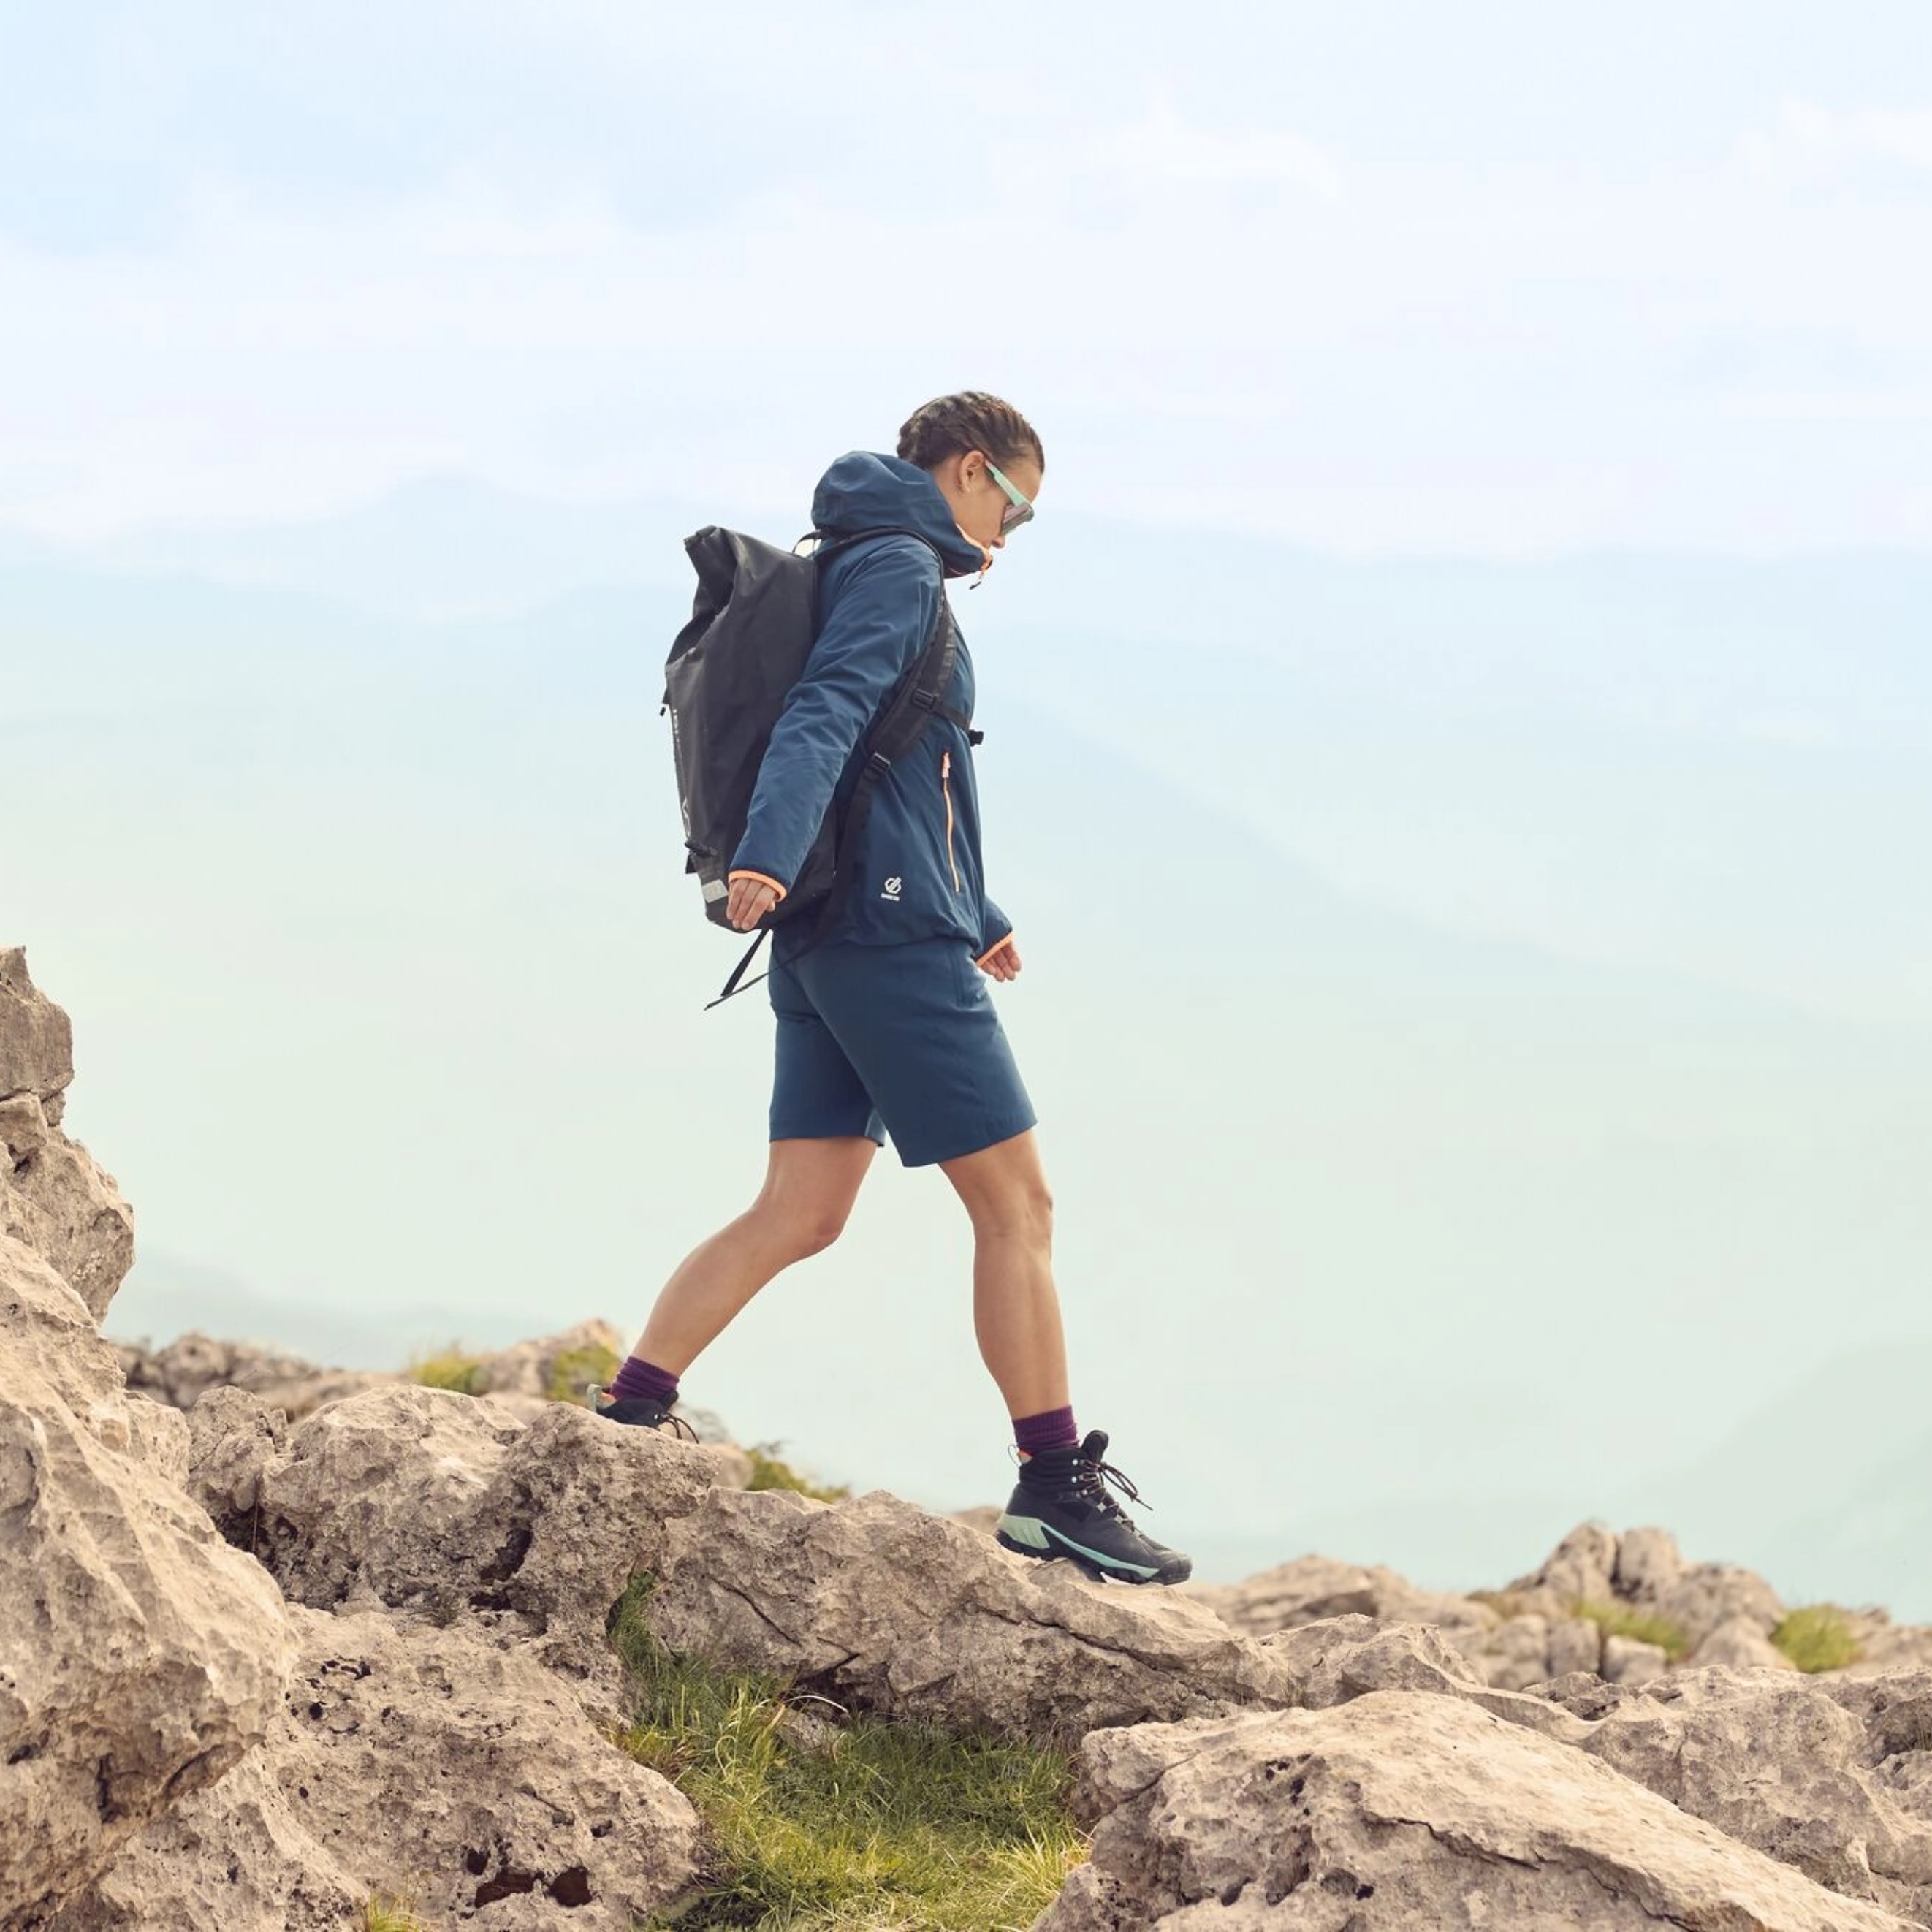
(892, 891)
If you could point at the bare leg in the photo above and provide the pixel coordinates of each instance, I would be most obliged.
(1015, 1308)
(810, 1187)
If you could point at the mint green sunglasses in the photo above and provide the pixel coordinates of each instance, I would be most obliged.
(1019, 509)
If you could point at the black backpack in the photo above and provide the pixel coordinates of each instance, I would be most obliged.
(753, 623)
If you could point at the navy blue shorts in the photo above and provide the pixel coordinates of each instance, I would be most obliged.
(900, 1039)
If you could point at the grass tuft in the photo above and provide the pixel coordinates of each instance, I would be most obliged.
(1818, 1637)
(888, 1824)
(574, 1367)
(451, 1370)
(390, 1914)
(769, 1473)
(1620, 1620)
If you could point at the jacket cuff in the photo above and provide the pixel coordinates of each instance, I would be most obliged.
(762, 878)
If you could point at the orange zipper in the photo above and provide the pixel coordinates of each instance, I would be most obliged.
(946, 786)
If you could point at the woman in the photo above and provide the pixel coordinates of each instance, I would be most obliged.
(885, 1023)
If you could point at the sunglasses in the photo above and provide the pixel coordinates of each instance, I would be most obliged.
(1019, 509)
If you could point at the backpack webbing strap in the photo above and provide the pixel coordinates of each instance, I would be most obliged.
(731, 984)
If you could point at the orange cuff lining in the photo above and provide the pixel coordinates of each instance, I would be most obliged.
(991, 949)
(763, 879)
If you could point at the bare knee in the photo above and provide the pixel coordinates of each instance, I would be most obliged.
(800, 1231)
(1023, 1212)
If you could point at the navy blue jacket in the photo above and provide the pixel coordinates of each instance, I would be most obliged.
(918, 873)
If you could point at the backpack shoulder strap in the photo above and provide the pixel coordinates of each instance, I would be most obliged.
(899, 727)
(900, 724)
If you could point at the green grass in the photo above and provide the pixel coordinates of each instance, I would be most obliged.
(890, 1824)
(1620, 1620)
(574, 1367)
(391, 1915)
(769, 1473)
(1818, 1637)
(451, 1370)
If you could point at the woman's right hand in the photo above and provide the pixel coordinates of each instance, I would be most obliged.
(751, 899)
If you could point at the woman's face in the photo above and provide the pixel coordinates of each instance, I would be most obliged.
(979, 506)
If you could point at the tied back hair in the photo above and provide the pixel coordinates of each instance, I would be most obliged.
(952, 425)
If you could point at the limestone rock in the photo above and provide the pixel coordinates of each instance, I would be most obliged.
(1629, 1660)
(1895, 1713)
(407, 1758)
(158, 1436)
(1648, 1562)
(36, 1040)
(1578, 1571)
(232, 1437)
(1399, 1813)
(1311, 1588)
(1576, 1643)
(140, 1657)
(23, 1126)
(1776, 1761)
(424, 1499)
(552, 1365)
(54, 1197)
(1739, 1643)
(180, 1373)
(58, 1202)
(1330, 1663)
(1708, 1594)
(1884, 1647)
(1517, 1654)
(887, 1608)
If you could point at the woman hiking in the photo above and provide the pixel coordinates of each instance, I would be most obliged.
(885, 1023)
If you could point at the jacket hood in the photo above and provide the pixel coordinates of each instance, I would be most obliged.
(865, 491)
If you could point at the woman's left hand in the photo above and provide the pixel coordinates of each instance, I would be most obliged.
(1004, 963)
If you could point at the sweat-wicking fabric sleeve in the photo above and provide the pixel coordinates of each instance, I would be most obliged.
(875, 630)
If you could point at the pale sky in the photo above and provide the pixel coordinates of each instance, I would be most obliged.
(1498, 279)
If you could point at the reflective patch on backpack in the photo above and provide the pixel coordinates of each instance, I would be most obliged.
(716, 889)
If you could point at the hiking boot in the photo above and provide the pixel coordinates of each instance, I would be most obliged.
(1061, 1508)
(640, 1410)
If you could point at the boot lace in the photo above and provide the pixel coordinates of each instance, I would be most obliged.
(1091, 1478)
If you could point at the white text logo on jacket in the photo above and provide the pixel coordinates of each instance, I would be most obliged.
(892, 891)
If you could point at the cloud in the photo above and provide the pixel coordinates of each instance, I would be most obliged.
(1160, 147)
(1805, 141)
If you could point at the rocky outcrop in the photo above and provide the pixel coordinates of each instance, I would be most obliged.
(1628, 1609)
(1406, 1813)
(140, 1656)
(1834, 1780)
(54, 1199)
(1511, 1647)
(548, 1368)
(883, 1606)
(180, 1373)
(276, 1640)
(423, 1500)
(411, 1760)
(555, 1366)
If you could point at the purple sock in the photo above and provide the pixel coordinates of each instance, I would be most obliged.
(638, 1377)
(1051, 1429)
